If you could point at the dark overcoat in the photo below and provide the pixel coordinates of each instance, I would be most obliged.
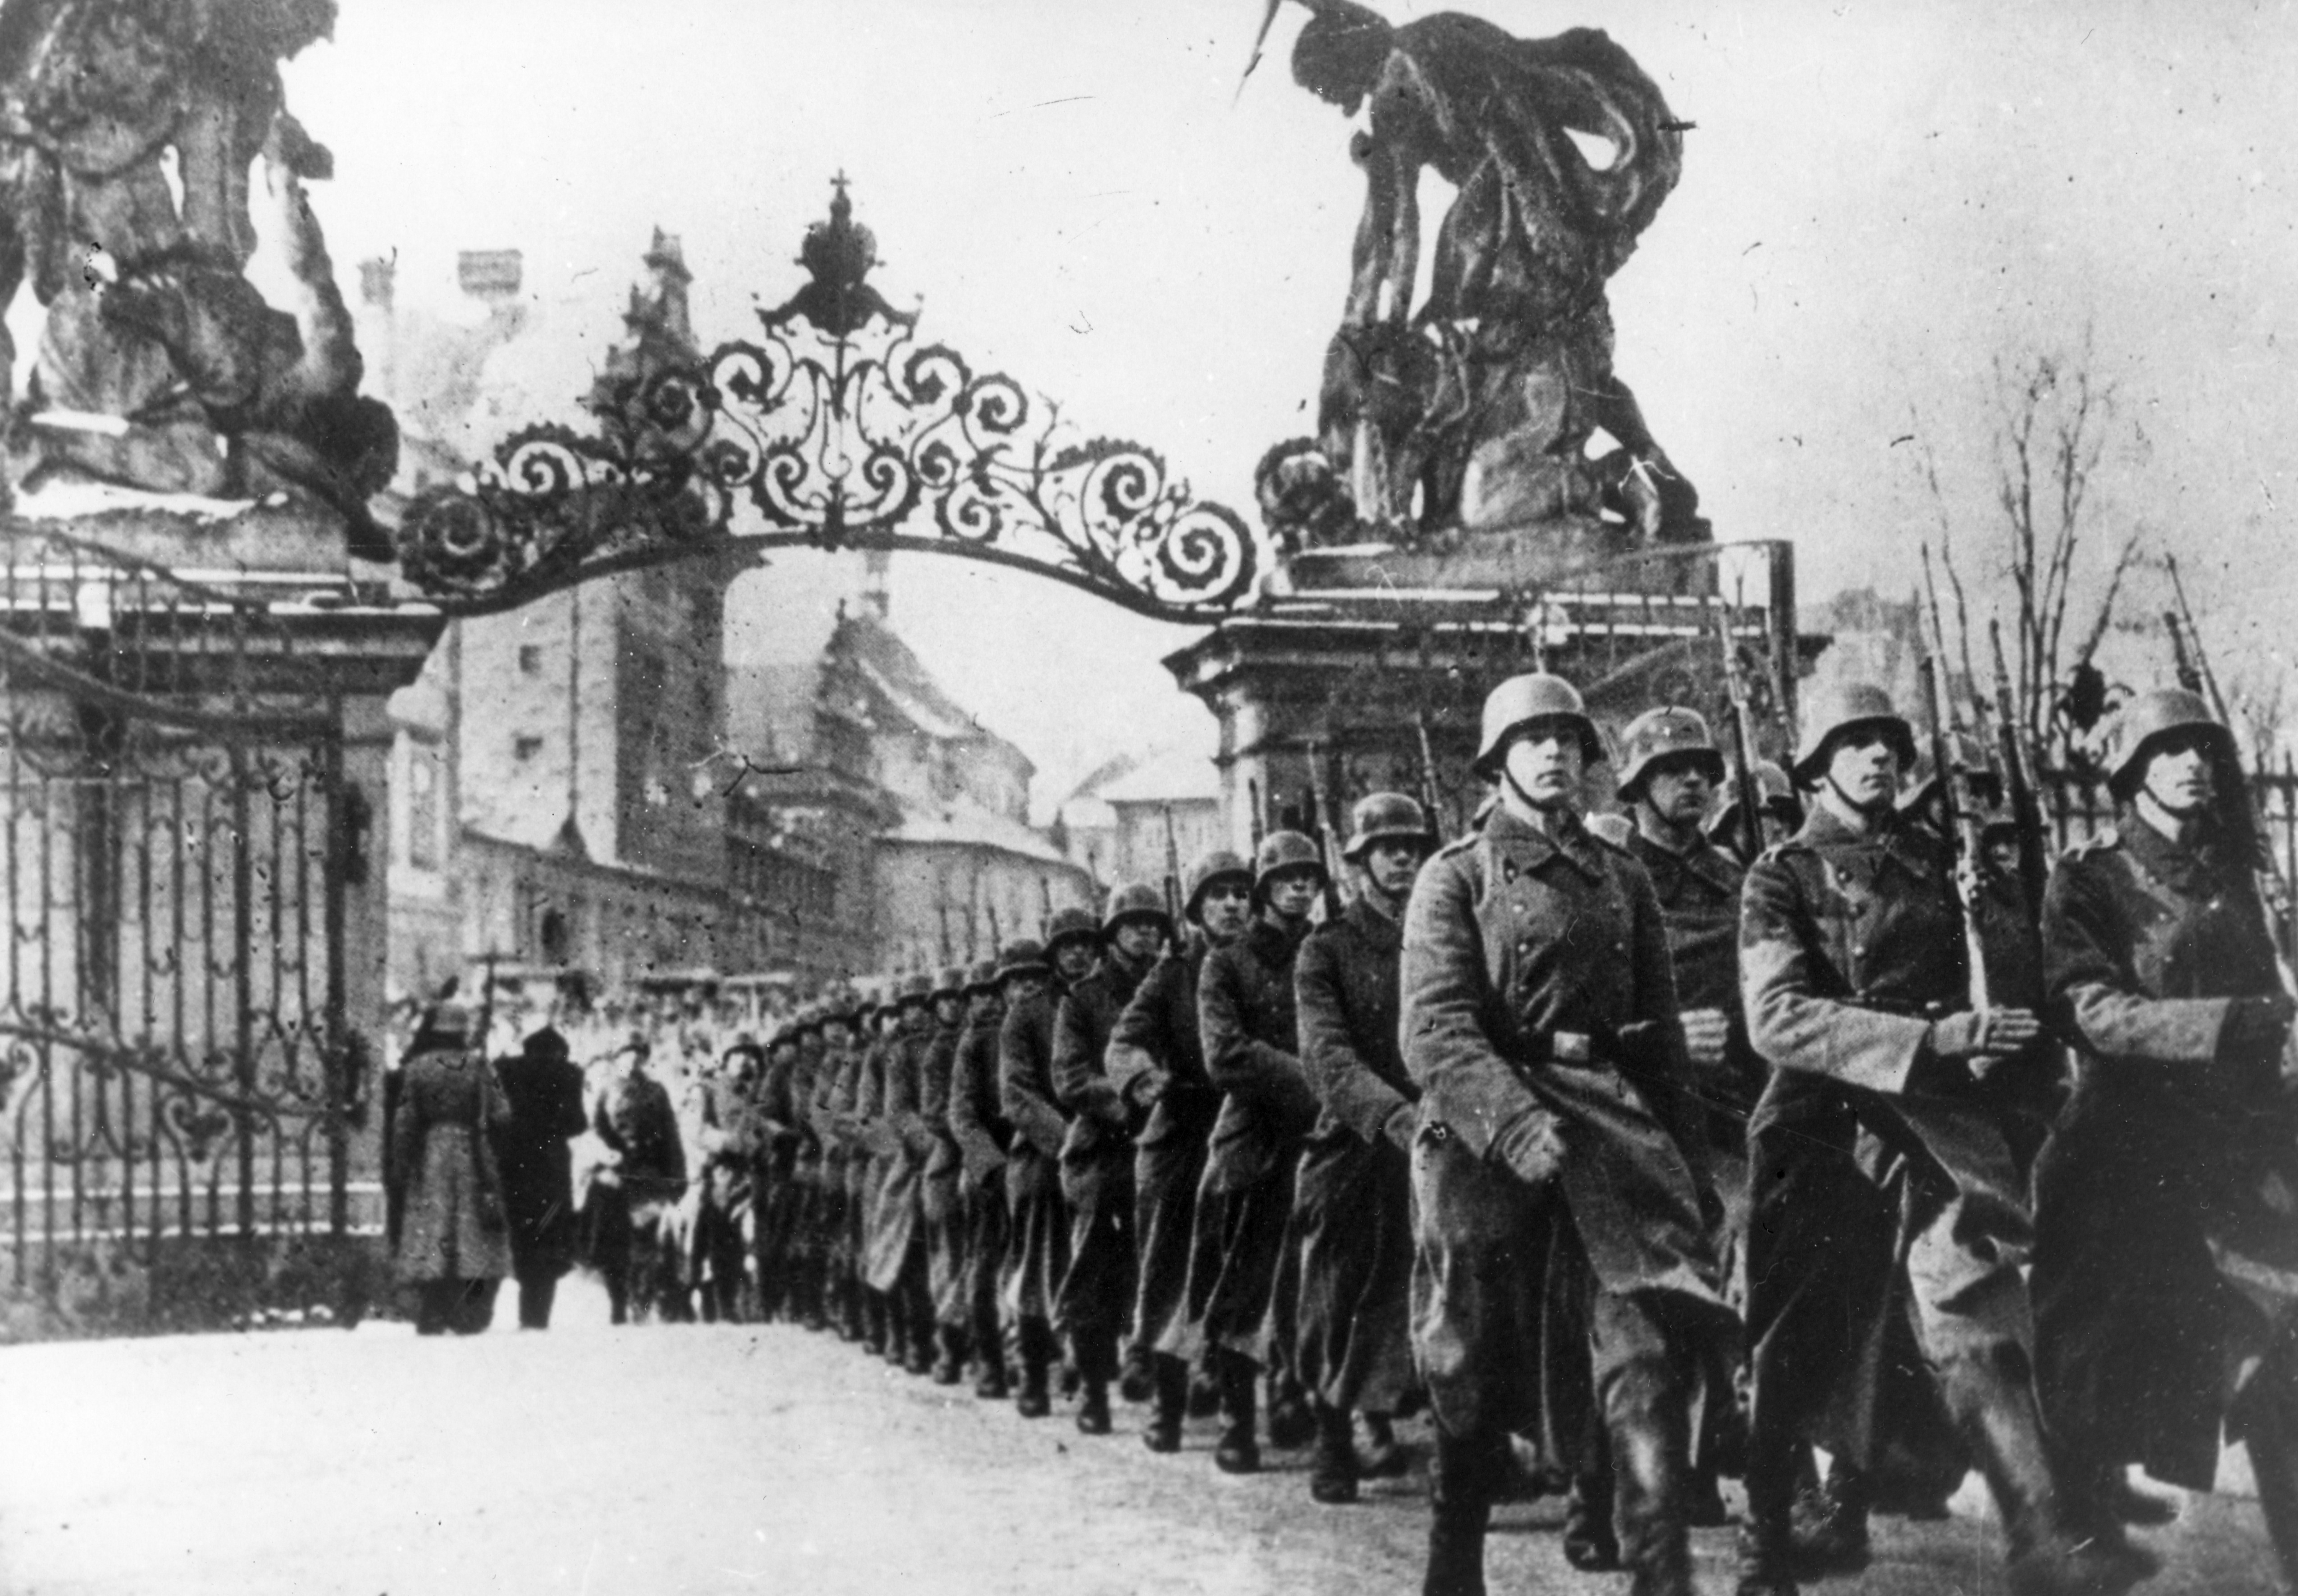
(1352, 1198)
(1037, 1254)
(1156, 1038)
(982, 1135)
(895, 1241)
(942, 1208)
(2162, 1264)
(452, 1225)
(1097, 1295)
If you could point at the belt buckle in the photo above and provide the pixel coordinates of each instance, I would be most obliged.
(1570, 1046)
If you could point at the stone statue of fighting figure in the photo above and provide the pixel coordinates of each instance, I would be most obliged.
(1477, 409)
(128, 134)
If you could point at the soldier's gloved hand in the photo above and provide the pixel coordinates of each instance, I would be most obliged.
(1705, 1033)
(1148, 1089)
(1959, 1038)
(1403, 1124)
(1530, 1147)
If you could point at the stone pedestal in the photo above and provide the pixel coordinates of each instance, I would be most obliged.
(1366, 669)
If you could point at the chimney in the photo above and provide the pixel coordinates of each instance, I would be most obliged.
(376, 277)
(875, 592)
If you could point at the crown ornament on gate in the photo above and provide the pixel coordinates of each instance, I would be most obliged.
(835, 428)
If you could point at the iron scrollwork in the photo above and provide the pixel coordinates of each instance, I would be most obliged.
(835, 428)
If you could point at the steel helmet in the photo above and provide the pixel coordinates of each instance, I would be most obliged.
(1067, 925)
(917, 989)
(950, 982)
(1520, 700)
(1773, 790)
(1672, 734)
(981, 976)
(1380, 814)
(1024, 958)
(1964, 754)
(2150, 716)
(1134, 900)
(1218, 865)
(1283, 851)
(1853, 707)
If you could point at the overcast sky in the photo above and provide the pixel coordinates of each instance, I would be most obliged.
(1878, 201)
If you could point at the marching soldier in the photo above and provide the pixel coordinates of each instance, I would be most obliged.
(1562, 1279)
(1352, 1200)
(983, 1135)
(895, 1262)
(940, 1203)
(835, 1085)
(1669, 771)
(1246, 1017)
(2165, 1244)
(1038, 1256)
(1881, 1176)
(1154, 1058)
(1098, 1156)
(788, 1172)
(1779, 814)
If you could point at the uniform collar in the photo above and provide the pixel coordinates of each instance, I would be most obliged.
(1530, 848)
(1900, 837)
(1376, 927)
(1702, 859)
(2193, 869)
(1272, 942)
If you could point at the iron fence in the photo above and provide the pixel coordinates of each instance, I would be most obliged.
(175, 1065)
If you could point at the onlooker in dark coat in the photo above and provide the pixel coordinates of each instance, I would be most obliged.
(454, 1245)
(544, 1093)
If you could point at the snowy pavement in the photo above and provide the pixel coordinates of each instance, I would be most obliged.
(754, 1459)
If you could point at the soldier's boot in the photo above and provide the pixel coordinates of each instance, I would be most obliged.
(1461, 1479)
(1991, 1397)
(1830, 1523)
(917, 1310)
(1169, 1396)
(1093, 1352)
(2268, 1421)
(1292, 1422)
(1237, 1451)
(1035, 1340)
(1204, 1392)
(1766, 1546)
(1138, 1381)
(950, 1366)
(1589, 1544)
(1332, 1470)
(1648, 1426)
(1385, 1457)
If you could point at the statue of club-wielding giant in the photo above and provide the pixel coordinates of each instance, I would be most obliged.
(129, 131)
(1475, 408)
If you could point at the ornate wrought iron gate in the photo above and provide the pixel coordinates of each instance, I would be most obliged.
(177, 1083)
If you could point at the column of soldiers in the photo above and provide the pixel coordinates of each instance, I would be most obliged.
(1637, 1163)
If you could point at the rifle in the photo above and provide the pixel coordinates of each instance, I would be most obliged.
(1962, 825)
(2018, 781)
(1748, 790)
(1319, 828)
(1172, 874)
(1259, 821)
(1429, 778)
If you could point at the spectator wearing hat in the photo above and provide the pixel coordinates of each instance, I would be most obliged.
(1155, 1057)
(1095, 1303)
(1352, 1197)
(542, 1092)
(454, 1238)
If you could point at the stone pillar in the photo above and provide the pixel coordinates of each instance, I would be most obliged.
(1374, 664)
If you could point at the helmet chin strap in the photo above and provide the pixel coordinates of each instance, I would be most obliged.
(1879, 806)
(1526, 799)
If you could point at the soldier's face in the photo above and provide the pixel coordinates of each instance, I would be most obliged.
(1073, 959)
(947, 1010)
(1021, 988)
(1292, 892)
(1393, 862)
(1139, 939)
(1679, 794)
(1544, 763)
(2178, 776)
(1865, 769)
(1224, 909)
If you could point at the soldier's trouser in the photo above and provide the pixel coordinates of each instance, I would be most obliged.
(986, 1241)
(942, 1210)
(1097, 1295)
(1352, 1211)
(1251, 1228)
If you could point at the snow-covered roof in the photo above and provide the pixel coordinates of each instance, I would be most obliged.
(1168, 775)
(968, 825)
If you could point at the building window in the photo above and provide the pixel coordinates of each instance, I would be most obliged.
(552, 933)
(524, 748)
(530, 660)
